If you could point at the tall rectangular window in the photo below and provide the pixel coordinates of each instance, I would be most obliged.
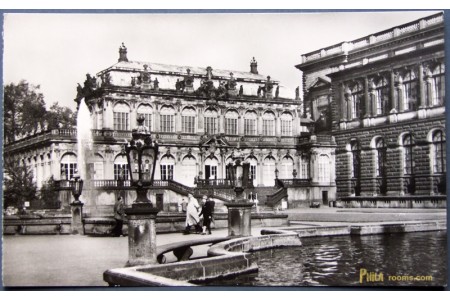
(121, 171)
(438, 85)
(167, 123)
(67, 170)
(188, 124)
(231, 126)
(286, 127)
(268, 127)
(147, 121)
(121, 121)
(211, 125)
(166, 172)
(250, 127)
(253, 171)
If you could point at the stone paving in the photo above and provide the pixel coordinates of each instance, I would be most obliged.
(73, 260)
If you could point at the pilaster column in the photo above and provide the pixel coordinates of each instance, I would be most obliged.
(422, 98)
(393, 103)
(343, 103)
(367, 111)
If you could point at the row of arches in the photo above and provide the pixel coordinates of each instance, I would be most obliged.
(410, 155)
(403, 90)
(190, 117)
(188, 167)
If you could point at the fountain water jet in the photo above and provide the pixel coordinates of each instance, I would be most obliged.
(84, 138)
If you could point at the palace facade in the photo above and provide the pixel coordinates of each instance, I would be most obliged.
(382, 97)
(199, 116)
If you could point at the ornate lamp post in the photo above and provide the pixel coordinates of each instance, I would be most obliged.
(77, 187)
(76, 207)
(142, 153)
(239, 210)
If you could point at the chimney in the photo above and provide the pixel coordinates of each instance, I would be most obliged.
(123, 53)
(253, 66)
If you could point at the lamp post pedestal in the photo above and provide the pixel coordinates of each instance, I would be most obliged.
(141, 234)
(76, 224)
(239, 218)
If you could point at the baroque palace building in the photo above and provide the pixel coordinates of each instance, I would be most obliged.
(199, 117)
(382, 97)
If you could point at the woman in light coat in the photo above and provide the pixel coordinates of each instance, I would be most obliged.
(192, 217)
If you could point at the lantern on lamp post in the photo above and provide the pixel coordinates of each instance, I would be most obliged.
(239, 209)
(76, 207)
(141, 153)
(77, 187)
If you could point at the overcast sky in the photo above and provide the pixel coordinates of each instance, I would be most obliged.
(56, 51)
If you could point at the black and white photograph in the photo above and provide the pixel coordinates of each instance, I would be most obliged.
(224, 149)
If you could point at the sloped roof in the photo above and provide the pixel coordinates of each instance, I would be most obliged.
(181, 70)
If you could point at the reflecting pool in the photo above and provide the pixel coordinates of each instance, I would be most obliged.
(408, 259)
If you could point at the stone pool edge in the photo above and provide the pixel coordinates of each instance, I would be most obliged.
(232, 257)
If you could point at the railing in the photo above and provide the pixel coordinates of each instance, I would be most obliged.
(375, 38)
(319, 138)
(220, 183)
(273, 199)
(296, 182)
(183, 189)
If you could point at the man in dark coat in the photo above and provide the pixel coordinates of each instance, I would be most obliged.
(207, 213)
(119, 213)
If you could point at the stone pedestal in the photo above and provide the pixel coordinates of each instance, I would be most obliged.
(141, 234)
(239, 218)
(76, 225)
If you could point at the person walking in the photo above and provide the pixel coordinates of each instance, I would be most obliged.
(119, 213)
(192, 217)
(207, 212)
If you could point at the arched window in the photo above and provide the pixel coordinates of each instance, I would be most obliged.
(286, 124)
(356, 159)
(211, 121)
(380, 158)
(269, 171)
(408, 159)
(304, 167)
(188, 120)
(68, 166)
(324, 168)
(380, 165)
(189, 170)
(250, 123)
(356, 167)
(121, 167)
(166, 165)
(286, 167)
(146, 111)
(253, 164)
(167, 119)
(439, 152)
(121, 117)
(98, 167)
(409, 90)
(231, 118)
(268, 123)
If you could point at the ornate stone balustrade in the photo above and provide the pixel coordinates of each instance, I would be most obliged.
(344, 47)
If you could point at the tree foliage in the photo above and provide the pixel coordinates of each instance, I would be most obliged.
(25, 111)
(48, 196)
(19, 185)
(60, 116)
